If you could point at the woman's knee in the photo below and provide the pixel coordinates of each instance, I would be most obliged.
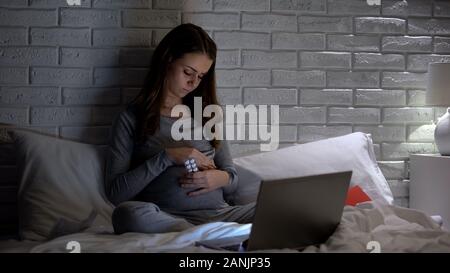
(130, 216)
(145, 217)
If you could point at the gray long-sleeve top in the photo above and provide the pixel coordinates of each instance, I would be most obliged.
(144, 172)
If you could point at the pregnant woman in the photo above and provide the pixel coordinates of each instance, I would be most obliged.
(145, 174)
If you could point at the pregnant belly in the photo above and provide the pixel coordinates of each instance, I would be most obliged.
(165, 191)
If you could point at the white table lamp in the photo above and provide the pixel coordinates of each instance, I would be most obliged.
(438, 94)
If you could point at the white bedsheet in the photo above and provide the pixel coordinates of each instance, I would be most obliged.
(395, 229)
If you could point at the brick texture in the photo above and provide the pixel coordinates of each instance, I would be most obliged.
(333, 66)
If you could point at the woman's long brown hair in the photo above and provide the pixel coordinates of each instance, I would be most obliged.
(183, 39)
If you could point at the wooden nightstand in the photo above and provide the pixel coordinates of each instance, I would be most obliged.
(429, 188)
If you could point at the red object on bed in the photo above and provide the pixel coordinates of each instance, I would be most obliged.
(355, 196)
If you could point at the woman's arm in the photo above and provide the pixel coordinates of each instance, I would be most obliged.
(224, 162)
(121, 183)
(225, 176)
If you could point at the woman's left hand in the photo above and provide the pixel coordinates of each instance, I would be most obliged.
(204, 181)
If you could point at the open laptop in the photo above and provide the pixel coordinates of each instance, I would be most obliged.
(292, 213)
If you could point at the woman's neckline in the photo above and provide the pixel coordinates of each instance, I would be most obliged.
(169, 117)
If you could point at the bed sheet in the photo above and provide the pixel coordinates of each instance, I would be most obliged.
(366, 228)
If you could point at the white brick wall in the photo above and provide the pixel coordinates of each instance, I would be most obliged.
(270, 96)
(287, 40)
(269, 59)
(374, 97)
(379, 61)
(325, 60)
(383, 133)
(326, 96)
(379, 25)
(333, 66)
(407, 43)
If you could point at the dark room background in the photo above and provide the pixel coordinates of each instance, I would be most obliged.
(334, 67)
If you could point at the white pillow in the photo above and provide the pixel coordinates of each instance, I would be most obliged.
(61, 187)
(350, 152)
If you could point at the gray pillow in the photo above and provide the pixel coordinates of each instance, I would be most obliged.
(61, 188)
(247, 189)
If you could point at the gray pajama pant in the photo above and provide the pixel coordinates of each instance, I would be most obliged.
(146, 217)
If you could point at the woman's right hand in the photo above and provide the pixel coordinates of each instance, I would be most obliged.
(180, 155)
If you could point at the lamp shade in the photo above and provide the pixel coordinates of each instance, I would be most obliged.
(438, 93)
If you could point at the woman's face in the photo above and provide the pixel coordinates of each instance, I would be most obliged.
(185, 74)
